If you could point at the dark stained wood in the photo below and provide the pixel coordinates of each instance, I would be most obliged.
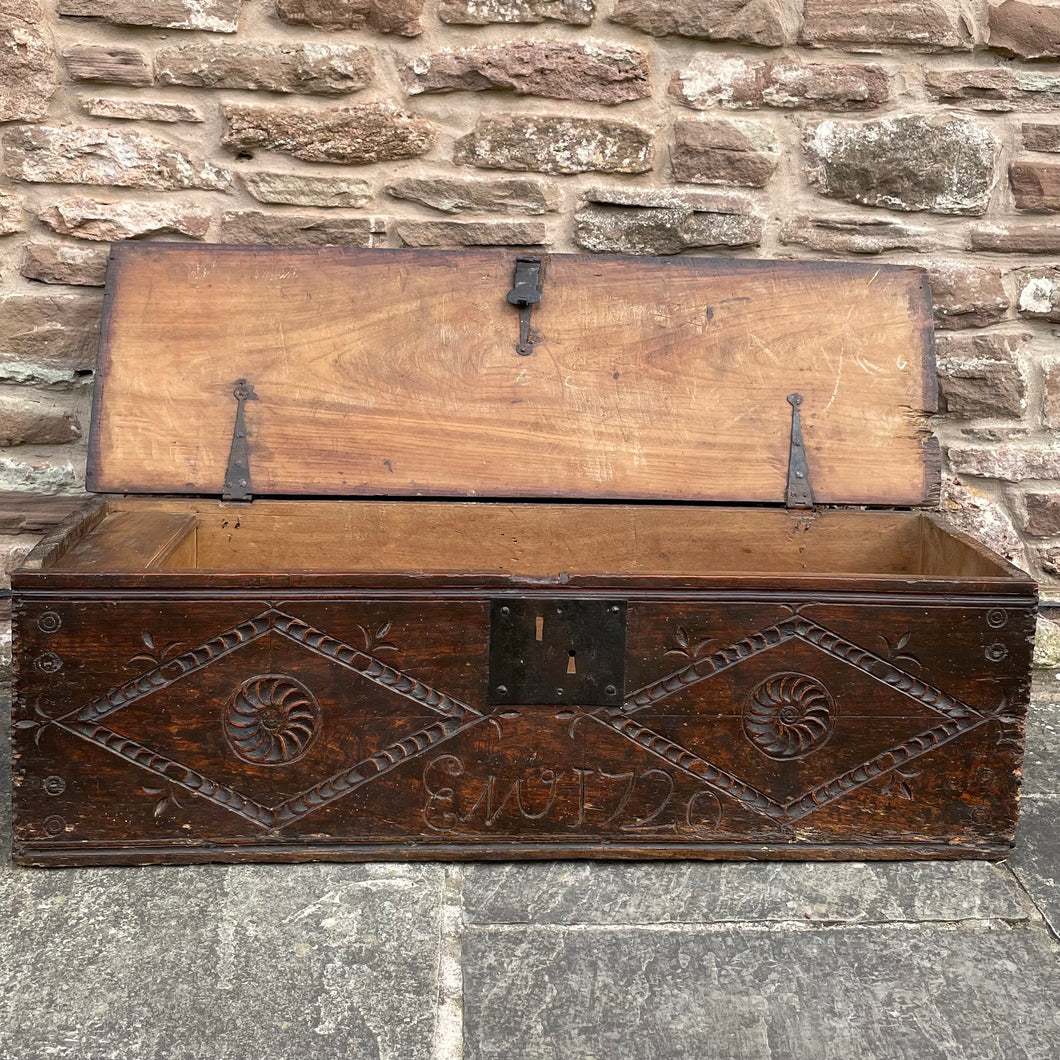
(395, 373)
(749, 729)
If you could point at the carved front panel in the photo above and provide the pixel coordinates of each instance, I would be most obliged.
(156, 729)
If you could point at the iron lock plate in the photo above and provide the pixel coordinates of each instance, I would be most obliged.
(557, 651)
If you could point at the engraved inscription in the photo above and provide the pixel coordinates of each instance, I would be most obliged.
(574, 799)
(789, 715)
(271, 720)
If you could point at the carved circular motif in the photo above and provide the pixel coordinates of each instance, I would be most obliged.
(789, 715)
(271, 720)
(54, 785)
(49, 622)
(996, 617)
(995, 652)
(54, 825)
(48, 663)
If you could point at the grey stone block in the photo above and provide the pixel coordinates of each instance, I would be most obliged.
(1041, 767)
(219, 963)
(1036, 859)
(684, 892)
(977, 992)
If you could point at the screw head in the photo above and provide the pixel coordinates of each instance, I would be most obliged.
(610, 690)
(996, 652)
(54, 785)
(49, 622)
(506, 610)
(559, 691)
(502, 690)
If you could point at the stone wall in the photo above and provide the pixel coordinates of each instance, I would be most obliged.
(923, 131)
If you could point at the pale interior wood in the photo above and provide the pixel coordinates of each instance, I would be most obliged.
(394, 373)
(533, 540)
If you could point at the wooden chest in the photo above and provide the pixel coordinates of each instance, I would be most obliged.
(524, 624)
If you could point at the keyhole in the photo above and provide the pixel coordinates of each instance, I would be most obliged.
(571, 666)
(539, 626)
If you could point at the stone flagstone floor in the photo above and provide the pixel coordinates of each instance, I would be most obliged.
(943, 961)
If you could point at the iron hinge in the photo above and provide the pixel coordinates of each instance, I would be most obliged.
(799, 493)
(237, 474)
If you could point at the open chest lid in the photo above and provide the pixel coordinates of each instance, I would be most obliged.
(485, 374)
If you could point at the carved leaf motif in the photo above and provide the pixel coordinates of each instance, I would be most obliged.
(896, 653)
(689, 650)
(146, 637)
(375, 642)
(169, 798)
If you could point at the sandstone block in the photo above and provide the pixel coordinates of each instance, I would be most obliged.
(725, 151)
(471, 233)
(10, 212)
(1039, 296)
(980, 375)
(249, 226)
(966, 296)
(317, 69)
(110, 65)
(994, 89)
(730, 81)
(384, 16)
(41, 475)
(1041, 512)
(928, 25)
(1015, 238)
(356, 134)
(1049, 558)
(770, 23)
(1025, 30)
(1035, 185)
(1038, 136)
(941, 164)
(523, 142)
(109, 221)
(1012, 462)
(139, 110)
(586, 70)
(454, 195)
(27, 420)
(126, 159)
(214, 16)
(27, 63)
(661, 221)
(483, 12)
(51, 330)
(303, 189)
(972, 511)
(63, 263)
(1051, 396)
(856, 235)
(14, 548)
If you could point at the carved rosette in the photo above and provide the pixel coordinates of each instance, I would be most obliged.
(271, 720)
(789, 715)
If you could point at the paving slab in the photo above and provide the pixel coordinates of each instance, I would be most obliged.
(219, 963)
(1041, 765)
(1036, 859)
(713, 892)
(901, 992)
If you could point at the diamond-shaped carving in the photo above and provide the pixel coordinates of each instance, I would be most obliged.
(364, 747)
(707, 739)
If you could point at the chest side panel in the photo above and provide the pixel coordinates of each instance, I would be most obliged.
(243, 729)
(396, 373)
